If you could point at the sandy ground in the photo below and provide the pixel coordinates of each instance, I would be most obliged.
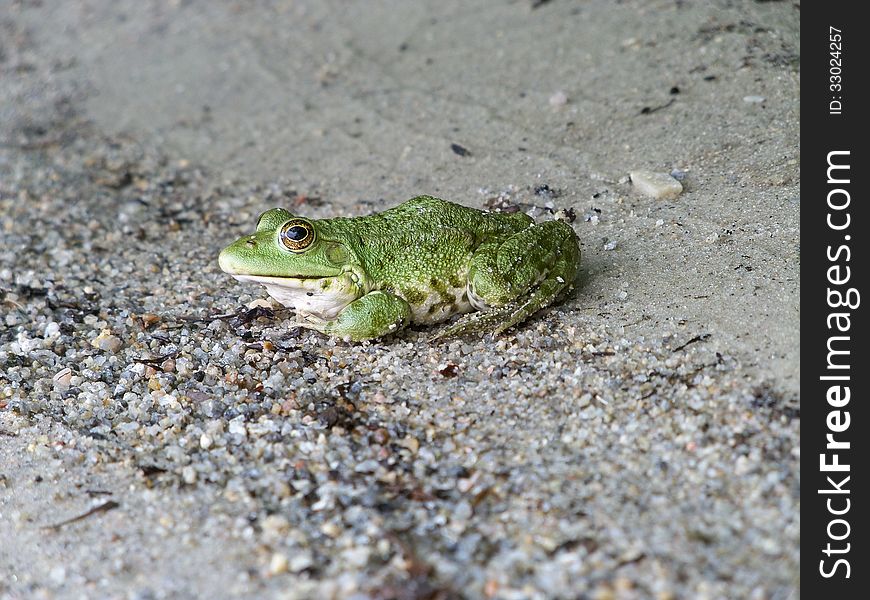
(639, 440)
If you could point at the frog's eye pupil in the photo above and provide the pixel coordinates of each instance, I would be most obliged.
(296, 233)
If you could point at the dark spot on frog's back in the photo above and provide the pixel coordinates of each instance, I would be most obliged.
(413, 296)
(455, 282)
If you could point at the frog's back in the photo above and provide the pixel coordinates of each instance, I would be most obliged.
(420, 250)
(429, 213)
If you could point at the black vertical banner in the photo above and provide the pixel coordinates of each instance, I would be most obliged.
(835, 225)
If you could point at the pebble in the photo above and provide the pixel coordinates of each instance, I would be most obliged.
(58, 574)
(107, 341)
(660, 186)
(411, 443)
(275, 526)
(62, 378)
(278, 564)
(260, 303)
(558, 99)
(188, 474)
(300, 562)
(237, 427)
(753, 99)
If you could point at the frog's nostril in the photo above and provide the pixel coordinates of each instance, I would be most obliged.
(251, 244)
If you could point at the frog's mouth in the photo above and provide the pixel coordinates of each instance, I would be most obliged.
(323, 297)
(285, 281)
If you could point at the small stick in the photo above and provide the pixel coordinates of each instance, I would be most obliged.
(697, 338)
(104, 507)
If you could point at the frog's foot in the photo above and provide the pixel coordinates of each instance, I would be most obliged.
(499, 320)
(374, 315)
(475, 322)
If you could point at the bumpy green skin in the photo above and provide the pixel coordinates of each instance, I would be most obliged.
(420, 262)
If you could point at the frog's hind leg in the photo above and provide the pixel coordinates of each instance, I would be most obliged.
(544, 295)
(511, 281)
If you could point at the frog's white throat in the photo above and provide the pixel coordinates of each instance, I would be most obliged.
(320, 297)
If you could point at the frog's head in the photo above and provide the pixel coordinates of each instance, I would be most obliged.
(300, 266)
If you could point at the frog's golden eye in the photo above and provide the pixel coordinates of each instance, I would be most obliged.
(297, 235)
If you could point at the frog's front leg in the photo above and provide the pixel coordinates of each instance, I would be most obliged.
(509, 281)
(373, 315)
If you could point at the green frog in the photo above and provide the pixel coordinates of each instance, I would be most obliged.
(423, 261)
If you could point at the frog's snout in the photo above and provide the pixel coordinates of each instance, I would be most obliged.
(231, 258)
(228, 260)
(224, 260)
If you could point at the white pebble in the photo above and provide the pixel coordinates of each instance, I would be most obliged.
(300, 562)
(278, 564)
(188, 473)
(558, 99)
(259, 303)
(237, 427)
(463, 511)
(62, 378)
(58, 574)
(276, 526)
(660, 186)
(753, 99)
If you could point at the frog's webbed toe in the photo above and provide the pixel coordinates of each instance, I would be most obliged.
(502, 318)
(476, 322)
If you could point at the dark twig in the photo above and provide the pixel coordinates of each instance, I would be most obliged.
(100, 508)
(157, 359)
(697, 338)
(648, 110)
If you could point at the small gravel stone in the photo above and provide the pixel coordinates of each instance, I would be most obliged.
(753, 99)
(188, 474)
(62, 378)
(278, 564)
(276, 526)
(660, 186)
(300, 562)
(558, 99)
(237, 427)
(107, 341)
